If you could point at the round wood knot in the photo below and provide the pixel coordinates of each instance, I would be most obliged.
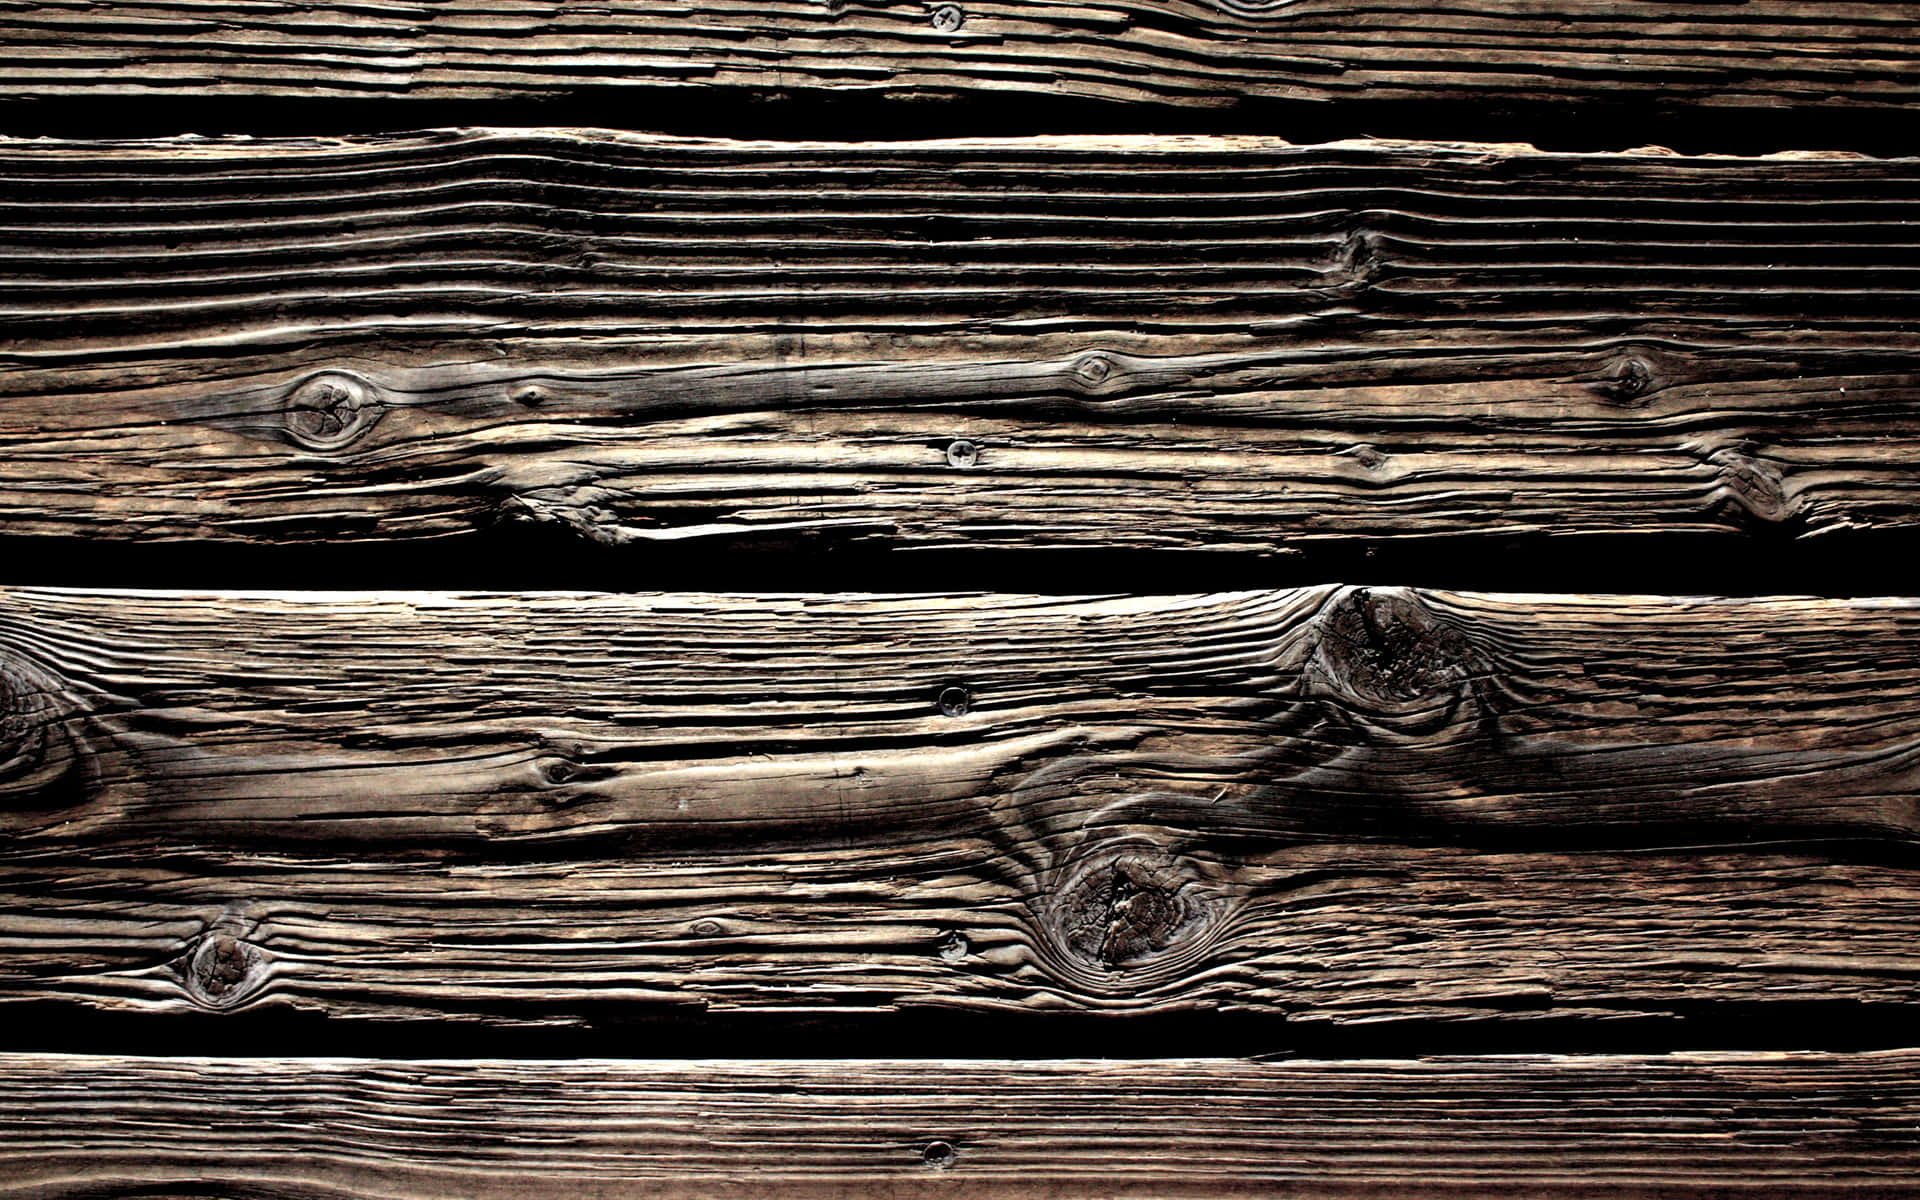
(1383, 648)
(1122, 906)
(331, 410)
(1367, 456)
(1630, 384)
(224, 970)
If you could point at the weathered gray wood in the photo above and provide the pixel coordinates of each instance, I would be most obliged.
(300, 1129)
(1186, 342)
(1341, 804)
(1761, 53)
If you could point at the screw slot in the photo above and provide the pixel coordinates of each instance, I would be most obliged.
(955, 946)
(962, 454)
(948, 18)
(955, 701)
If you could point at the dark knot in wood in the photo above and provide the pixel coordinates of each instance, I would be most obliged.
(223, 969)
(1383, 648)
(1094, 369)
(44, 755)
(331, 410)
(1122, 906)
(1755, 486)
(1353, 266)
(1630, 384)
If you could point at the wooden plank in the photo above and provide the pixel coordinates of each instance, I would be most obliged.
(1758, 54)
(1335, 804)
(1227, 344)
(303, 1129)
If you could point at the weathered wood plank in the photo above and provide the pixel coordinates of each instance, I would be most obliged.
(1229, 344)
(1762, 53)
(303, 1129)
(1338, 804)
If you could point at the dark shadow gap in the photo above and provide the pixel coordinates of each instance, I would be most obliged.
(1587, 125)
(1883, 563)
(628, 1030)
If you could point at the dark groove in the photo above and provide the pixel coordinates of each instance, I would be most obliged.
(633, 1031)
(1868, 563)
(755, 114)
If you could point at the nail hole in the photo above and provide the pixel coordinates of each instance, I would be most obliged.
(938, 1154)
(532, 396)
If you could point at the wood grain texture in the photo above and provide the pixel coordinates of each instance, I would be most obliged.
(332, 1129)
(1334, 804)
(1227, 344)
(1762, 53)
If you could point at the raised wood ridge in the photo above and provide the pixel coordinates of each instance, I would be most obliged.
(1334, 804)
(1231, 344)
(294, 1129)
(1761, 53)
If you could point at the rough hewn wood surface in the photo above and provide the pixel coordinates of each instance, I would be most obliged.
(303, 1129)
(1765, 53)
(1340, 804)
(1222, 343)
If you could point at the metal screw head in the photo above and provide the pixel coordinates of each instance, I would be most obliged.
(955, 701)
(962, 454)
(955, 946)
(948, 18)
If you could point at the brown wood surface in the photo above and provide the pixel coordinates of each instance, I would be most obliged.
(1759, 53)
(332, 1129)
(1334, 804)
(1230, 344)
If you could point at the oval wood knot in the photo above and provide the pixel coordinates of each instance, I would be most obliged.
(1382, 648)
(1094, 369)
(1353, 265)
(1124, 905)
(223, 969)
(1629, 384)
(1756, 486)
(44, 755)
(331, 410)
